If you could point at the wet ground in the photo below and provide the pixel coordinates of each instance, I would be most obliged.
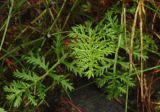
(90, 99)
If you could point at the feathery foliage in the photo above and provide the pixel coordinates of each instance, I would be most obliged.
(100, 52)
(90, 51)
(29, 84)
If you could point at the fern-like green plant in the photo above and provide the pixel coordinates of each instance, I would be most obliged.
(100, 52)
(29, 85)
(90, 51)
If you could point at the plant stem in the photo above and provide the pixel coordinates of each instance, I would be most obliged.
(56, 19)
(47, 72)
(148, 69)
(142, 79)
(19, 47)
(68, 16)
(125, 37)
(7, 23)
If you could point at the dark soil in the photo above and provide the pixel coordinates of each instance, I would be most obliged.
(86, 98)
(90, 99)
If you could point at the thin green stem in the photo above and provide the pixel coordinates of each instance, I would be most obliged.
(7, 23)
(116, 55)
(19, 47)
(56, 19)
(125, 36)
(146, 70)
(68, 16)
(47, 72)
